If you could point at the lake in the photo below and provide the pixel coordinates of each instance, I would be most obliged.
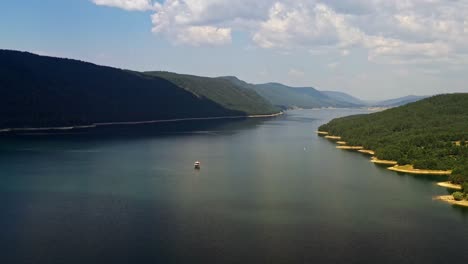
(269, 191)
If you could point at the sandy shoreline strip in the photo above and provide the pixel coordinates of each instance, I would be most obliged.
(410, 169)
(451, 200)
(407, 169)
(458, 143)
(383, 162)
(450, 185)
(333, 137)
(135, 123)
(350, 147)
(367, 151)
(321, 132)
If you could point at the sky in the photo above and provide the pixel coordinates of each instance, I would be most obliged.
(372, 49)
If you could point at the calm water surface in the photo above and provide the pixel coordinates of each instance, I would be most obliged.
(269, 191)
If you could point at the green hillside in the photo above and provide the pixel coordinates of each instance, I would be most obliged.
(224, 91)
(399, 101)
(40, 91)
(302, 97)
(430, 134)
(344, 97)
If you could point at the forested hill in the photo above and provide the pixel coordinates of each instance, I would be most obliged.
(40, 91)
(344, 97)
(430, 134)
(303, 97)
(399, 101)
(229, 94)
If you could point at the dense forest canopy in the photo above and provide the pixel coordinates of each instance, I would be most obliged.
(398, 101)
(40, 91)
(229, 94)
(344, 97)
(430, 134)
(302, 97)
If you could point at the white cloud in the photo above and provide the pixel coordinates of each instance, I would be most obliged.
(201, 35)
(410, 31)
(206, 21)
(400, 31)
(305, 24)
(132, 5)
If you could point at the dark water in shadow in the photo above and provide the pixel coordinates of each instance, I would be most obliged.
(269, 191)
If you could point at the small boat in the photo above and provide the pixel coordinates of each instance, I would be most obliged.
(197, 165)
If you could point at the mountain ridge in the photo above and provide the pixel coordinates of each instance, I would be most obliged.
(345, 97)
(302, 97)
(43, 91)
(227, 93)
(399, 101)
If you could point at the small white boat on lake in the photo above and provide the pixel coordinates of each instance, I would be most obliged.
(197, 164)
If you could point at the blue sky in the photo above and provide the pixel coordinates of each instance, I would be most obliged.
(373, 49)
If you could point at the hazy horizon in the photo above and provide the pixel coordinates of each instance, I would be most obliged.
(373, 50)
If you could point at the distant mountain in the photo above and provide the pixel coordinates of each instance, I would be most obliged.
(233, 95)
(344, 97)
(39, 91)
(399, 101)
(302, 97)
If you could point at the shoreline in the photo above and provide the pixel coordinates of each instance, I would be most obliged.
(333, 137)
(450, 185)
(94, 125)
(367, 151)
(395, 167)
(449, 199)
(383, 162)
(321, 132)
(350, 147)
(411, 170)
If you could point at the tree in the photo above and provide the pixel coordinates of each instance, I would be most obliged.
(458, 196)
(465, 187)
(456, 178)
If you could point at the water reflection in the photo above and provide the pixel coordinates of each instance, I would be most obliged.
(209, 127)
(133, 196)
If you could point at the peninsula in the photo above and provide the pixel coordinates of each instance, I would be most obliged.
(427, 137)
